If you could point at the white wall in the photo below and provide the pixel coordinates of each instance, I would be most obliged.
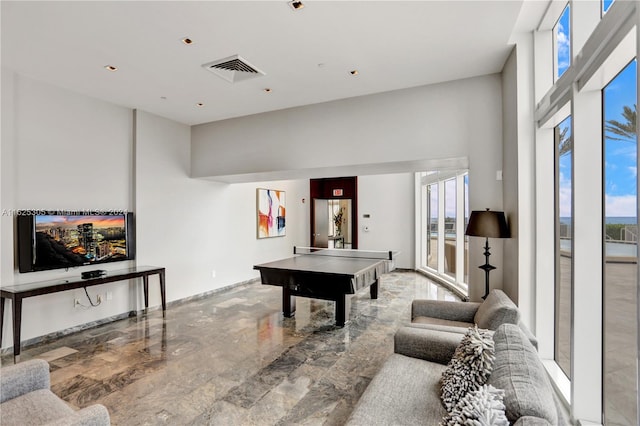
(389, 200)
(60, 150)
(6, 169)
(519, 178)
(429, 122)
(458, 119)
(193, 227)
(510, 173)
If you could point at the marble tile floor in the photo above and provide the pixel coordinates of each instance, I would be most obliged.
(232, 359)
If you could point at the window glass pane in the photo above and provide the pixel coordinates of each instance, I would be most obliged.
(466, 222)
(621, 248)
(564, 244)
(605, 5)
(432, 234)
(562, 38)
(450, 227)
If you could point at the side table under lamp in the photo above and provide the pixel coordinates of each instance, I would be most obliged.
(488, 224)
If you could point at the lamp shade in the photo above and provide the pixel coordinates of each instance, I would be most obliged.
(487, 224)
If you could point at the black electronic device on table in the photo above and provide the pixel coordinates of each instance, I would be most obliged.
(93, 274)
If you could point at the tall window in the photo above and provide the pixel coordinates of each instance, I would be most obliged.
(445, 204)
(450, 227)
(432, 226)
(588, 264)
(621, 248)
(466, 222)
(564, 244)
(562, 43)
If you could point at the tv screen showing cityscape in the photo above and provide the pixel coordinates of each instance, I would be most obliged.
(75, 240)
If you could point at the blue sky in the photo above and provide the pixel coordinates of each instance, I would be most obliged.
(621, 165)
(606, 4)
(620, 157)
(566, 164)
(563, 47)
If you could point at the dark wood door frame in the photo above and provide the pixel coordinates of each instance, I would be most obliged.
(327, 189)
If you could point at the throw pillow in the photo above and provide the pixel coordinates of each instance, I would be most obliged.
(496, 310)
(469, 367)
(482, 407)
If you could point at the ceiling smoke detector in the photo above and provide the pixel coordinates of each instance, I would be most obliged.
(233, 68)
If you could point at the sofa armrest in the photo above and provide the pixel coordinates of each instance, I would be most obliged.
(449, 310)
(533, 339)
(93, 415)
(430, 345)
(22, 378)
(497, 309)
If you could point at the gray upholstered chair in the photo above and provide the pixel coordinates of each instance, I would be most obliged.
(26, 399)
(457, 317)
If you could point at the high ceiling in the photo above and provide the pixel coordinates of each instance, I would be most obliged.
(307, 55)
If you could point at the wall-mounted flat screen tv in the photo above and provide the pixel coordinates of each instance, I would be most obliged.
(51, 240)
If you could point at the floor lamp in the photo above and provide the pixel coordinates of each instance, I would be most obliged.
(487, 224)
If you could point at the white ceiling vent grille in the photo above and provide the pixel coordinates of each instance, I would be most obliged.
(233, 69)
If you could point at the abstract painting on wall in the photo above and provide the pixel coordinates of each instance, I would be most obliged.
(271, 213)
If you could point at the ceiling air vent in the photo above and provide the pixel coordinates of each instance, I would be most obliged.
(233, 69)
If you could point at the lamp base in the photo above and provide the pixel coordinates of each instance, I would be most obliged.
(487, 268)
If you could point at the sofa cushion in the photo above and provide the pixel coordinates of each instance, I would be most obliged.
(34, 408)
(24, 377)
(445, 309)
(531, 421)
(518, 370)
(469, 367)
(442, 324)
(533, 339)
(405, 391)
(497, 309)
(423, 343)
(482, 407)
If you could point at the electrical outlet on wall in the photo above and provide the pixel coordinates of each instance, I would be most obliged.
(109, 295)
(213, 273)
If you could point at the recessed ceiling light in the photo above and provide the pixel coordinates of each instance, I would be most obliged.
(187, 40)
(296, 5)
(354, 72)
(200, 104)
(110, 68)
(266, 90)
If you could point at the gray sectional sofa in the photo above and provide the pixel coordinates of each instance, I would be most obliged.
(26, 399)
(406, 390)
(457, 317)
